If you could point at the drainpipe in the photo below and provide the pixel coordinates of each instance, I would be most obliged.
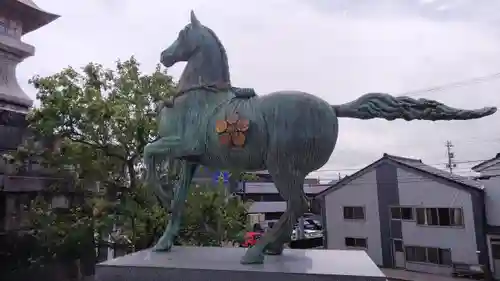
(244, 190)
(488, 276)
(322, 205)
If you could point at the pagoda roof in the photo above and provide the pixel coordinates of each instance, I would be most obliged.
(32, 16)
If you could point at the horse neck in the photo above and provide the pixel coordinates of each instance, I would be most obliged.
(204, 69)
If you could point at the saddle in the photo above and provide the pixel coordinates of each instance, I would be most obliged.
(239, 93)
(243, 93)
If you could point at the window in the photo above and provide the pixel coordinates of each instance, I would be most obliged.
(495, 251)
(253, 197)
(402, 213)
(270, 197)
(354, 213)
(59, 201)
(433, 255)
(356, 242)
(9, 27)
(3, 26)
(398, 245)
(428, 255)
(15, 28)
(440, 216)
(272, 216)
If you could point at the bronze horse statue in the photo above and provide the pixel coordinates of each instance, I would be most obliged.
(290, 133)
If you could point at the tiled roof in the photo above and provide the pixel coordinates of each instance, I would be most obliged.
(267, 207)
(478, 166)
(419, 165)
(33, 16)
(416, 164)
(270, 188)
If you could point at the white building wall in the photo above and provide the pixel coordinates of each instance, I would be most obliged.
(360, 192)
(267, 207)
(492, 194)
(418, 191)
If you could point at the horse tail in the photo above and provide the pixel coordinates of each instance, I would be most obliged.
(378, 105)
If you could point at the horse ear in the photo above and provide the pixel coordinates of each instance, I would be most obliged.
(194, 20)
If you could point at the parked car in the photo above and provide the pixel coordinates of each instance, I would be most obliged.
(250, 239)
(308, 233)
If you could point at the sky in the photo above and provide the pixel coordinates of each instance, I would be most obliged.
(334, 49)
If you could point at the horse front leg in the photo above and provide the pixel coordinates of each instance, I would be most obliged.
(154, 154)
(166, 241)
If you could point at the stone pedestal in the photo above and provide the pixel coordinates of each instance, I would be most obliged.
(222, 264)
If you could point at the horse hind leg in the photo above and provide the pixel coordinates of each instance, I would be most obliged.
(297, 204)
(291, 189)
(153, 156)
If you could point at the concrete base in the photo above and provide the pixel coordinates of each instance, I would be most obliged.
(223, 264)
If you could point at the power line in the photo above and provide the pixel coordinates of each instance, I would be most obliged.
(496, 170)
(449, 165)
(453, 84)
(429, 164)
(407, 180)
(414, 179)
(402, 180)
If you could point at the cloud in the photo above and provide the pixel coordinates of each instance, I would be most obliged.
(334, 49)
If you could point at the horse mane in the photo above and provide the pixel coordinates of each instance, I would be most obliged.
(223, 53)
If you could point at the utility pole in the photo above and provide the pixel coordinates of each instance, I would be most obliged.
(451, 157)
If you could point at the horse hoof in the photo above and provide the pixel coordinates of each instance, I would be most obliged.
(162, 246)
(274, 249)
(252, 259)
(274, 252)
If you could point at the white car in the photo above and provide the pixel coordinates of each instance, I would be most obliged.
(308, 233)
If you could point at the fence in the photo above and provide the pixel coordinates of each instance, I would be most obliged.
(106, 250)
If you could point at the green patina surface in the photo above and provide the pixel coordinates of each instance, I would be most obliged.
(290, 133)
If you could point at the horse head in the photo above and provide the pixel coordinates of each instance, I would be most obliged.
(186, 45)
(205, 54)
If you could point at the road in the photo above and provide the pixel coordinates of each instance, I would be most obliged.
(403, 275)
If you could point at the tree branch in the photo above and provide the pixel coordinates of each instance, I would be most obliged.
(104, 148)
(132, 173)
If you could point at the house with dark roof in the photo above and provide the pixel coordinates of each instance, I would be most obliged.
(266, 202)
(490, 167)
(489, 171)
(406, 214)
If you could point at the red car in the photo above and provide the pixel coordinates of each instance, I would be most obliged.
(250, 239)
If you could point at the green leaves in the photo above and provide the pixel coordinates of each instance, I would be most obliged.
(211, 218)
(105, 109)
(62, 234)
(98, 121)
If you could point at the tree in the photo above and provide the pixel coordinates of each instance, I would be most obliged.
(107, 113)
(212, 218)
(102, 119)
